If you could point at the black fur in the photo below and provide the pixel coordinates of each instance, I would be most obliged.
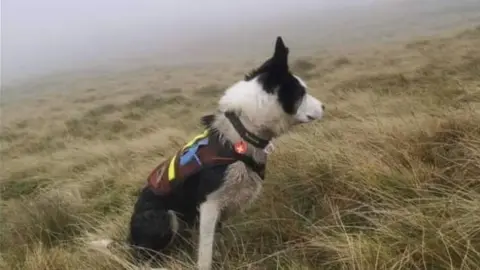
(274, 74)
(150, 230)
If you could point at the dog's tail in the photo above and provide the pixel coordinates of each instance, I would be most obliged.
(104, 244)
(107, 244)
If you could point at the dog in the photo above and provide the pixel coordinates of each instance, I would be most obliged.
(220, 172)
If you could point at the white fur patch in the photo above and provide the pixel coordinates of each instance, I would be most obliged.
(174, 221)
(263, 109)
(310, 109)
(209, 213)
(248, 97)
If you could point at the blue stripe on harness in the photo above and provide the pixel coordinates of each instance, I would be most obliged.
(191, 152)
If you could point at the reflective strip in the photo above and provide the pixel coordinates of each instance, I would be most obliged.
(201, 136)
(159, 175)
(171, 168)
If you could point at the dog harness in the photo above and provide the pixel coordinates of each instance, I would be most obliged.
(202, 152)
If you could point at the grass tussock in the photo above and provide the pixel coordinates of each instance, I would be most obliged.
(388, 180)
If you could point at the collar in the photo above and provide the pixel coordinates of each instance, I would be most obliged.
(227, 153)
(244, 133)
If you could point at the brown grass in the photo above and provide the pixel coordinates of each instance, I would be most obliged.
(389, 179)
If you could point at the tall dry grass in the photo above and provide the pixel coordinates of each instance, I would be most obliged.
(390, 179)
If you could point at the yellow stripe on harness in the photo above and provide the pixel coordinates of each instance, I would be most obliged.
(198, 137)
(171, 168)
(171, 165)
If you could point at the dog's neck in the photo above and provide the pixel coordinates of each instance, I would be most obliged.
(230, 129)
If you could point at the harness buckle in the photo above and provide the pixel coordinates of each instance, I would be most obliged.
(269, 148)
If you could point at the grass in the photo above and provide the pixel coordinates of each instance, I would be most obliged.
(390, 179)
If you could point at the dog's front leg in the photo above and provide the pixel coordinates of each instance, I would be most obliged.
(219, 240)
(209, 212)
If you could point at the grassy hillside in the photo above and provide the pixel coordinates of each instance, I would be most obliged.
(390, 179)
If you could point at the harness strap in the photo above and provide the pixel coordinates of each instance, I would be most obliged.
(195, 139)
(256, 167)
(192, 151)
(205, 151)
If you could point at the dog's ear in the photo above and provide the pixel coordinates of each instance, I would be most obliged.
(207, 120)
(275, 68)
(280, 56)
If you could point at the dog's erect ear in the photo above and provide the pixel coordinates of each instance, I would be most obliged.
(275, 68)
(280, 56)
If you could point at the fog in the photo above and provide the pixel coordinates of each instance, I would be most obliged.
(42, 37)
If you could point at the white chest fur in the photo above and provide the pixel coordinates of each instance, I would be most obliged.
(241, 188)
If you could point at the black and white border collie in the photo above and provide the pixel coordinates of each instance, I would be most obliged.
(265, 104)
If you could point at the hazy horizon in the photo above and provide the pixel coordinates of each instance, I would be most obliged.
(40, 38)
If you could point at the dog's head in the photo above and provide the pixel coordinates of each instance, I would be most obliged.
(271, 97)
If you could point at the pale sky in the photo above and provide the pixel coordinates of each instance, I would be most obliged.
(41, 36)
(44, 35)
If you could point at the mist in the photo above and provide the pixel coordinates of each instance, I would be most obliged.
(49, 36)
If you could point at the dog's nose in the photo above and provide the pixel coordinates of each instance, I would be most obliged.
(323, 107)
